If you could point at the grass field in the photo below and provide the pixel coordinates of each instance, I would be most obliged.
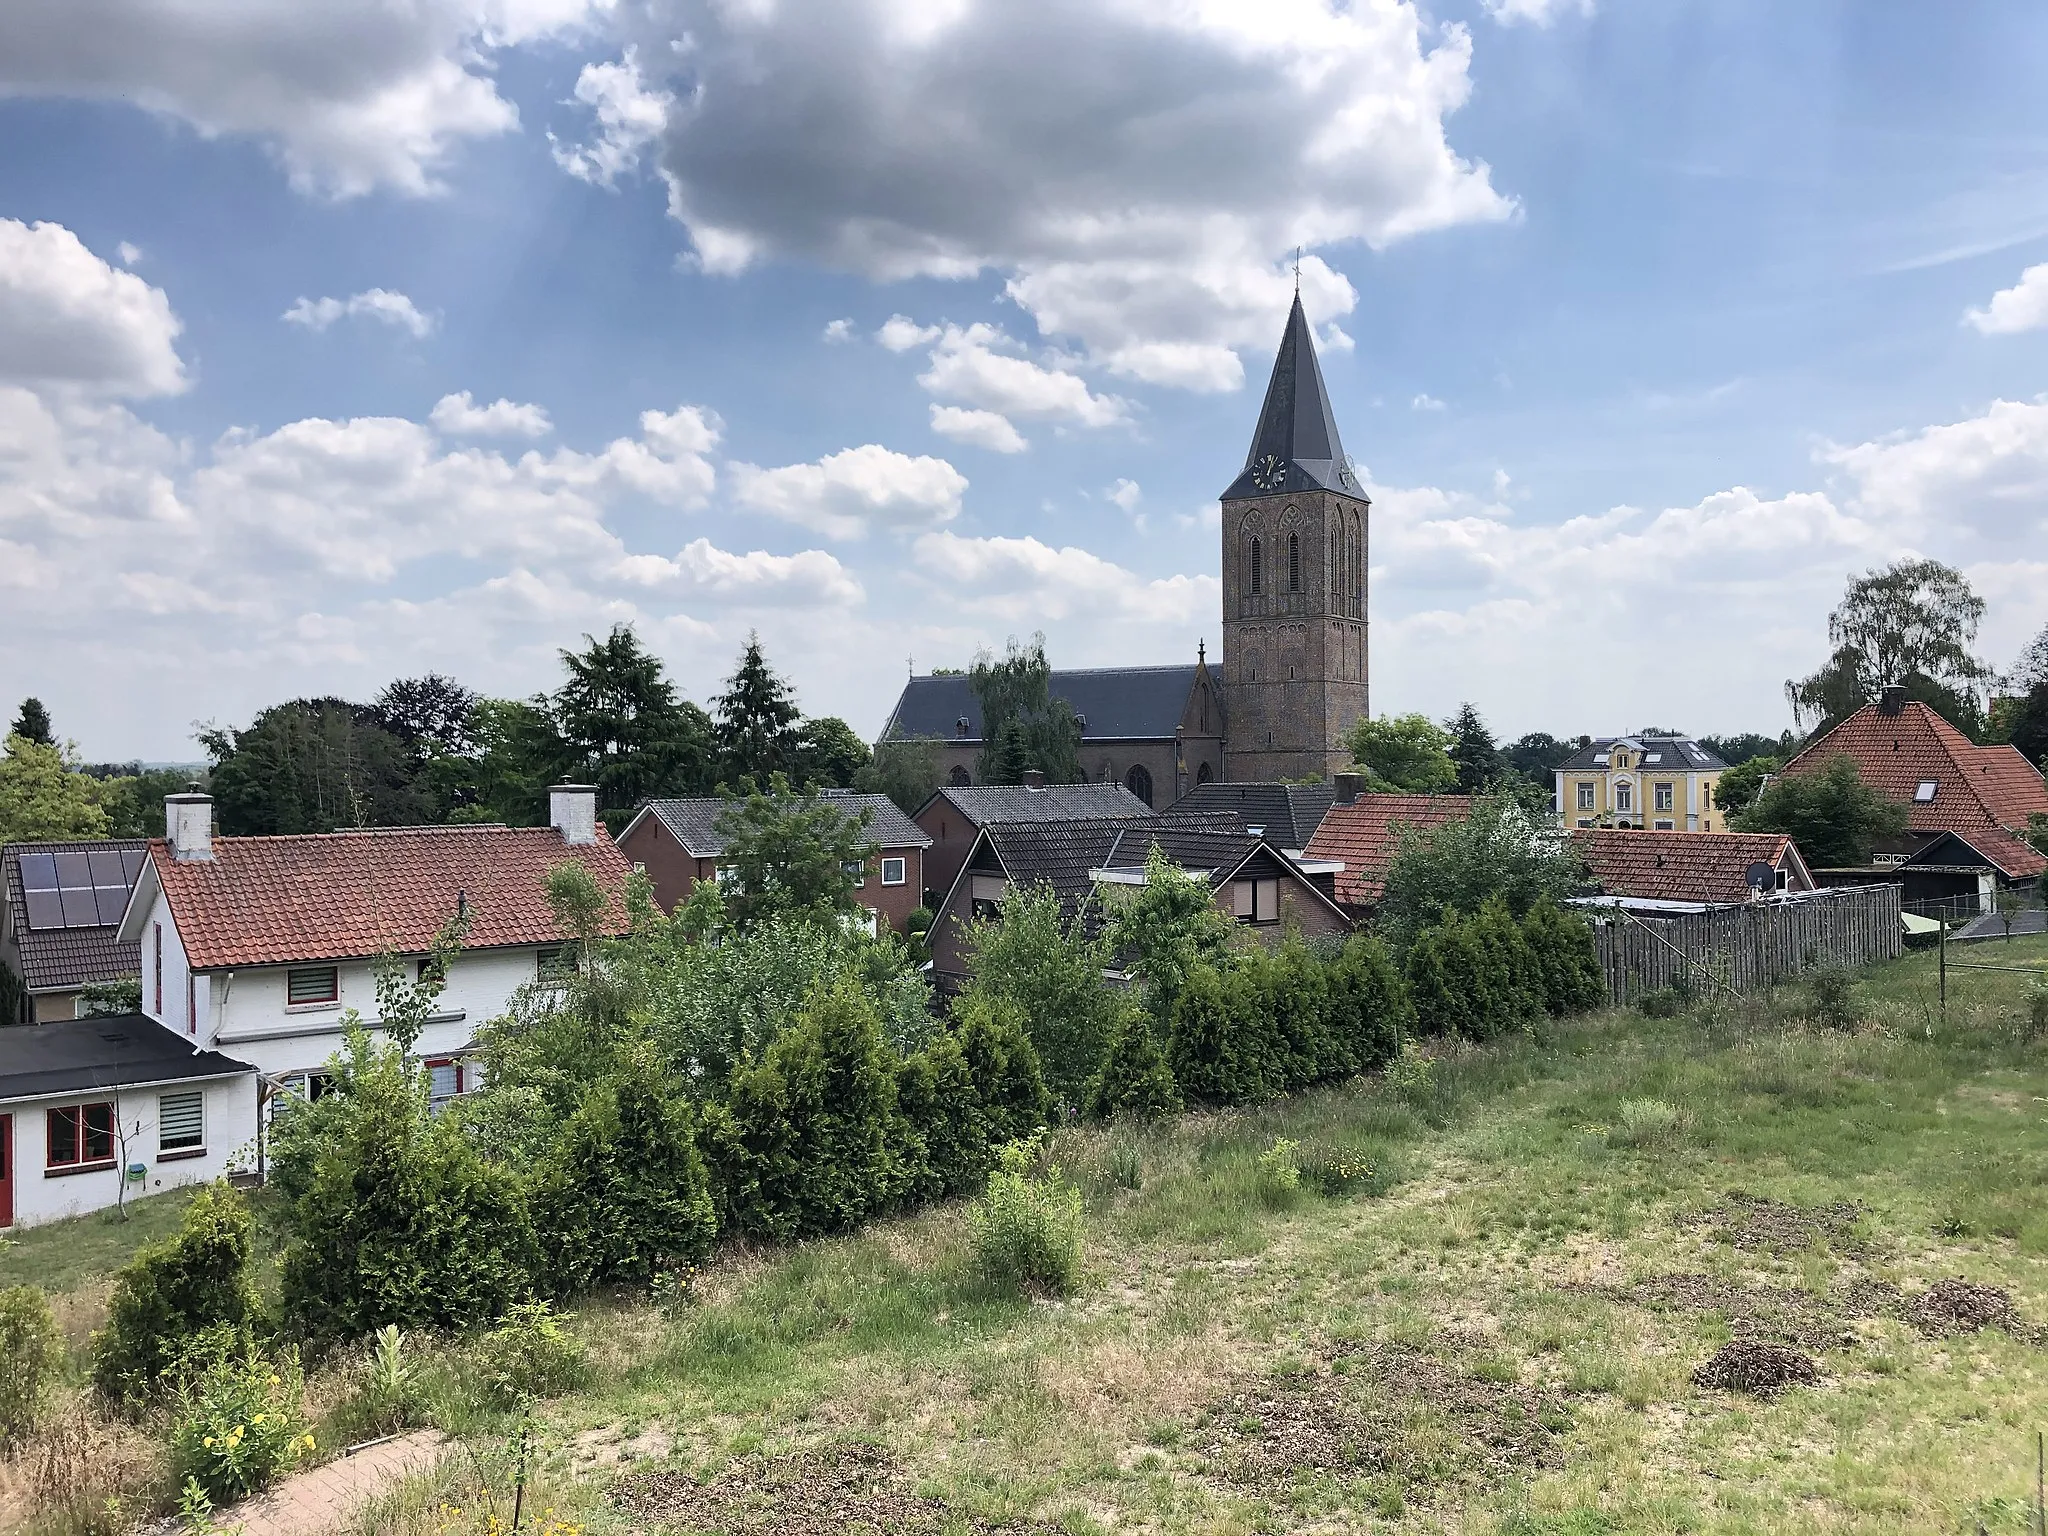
(1497, 1331)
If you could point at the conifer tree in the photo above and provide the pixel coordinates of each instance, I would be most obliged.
(1474, 751)
(1135, 1079)
(758, 720)
(33, 723)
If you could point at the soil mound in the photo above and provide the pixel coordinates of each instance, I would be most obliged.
(1753, 1366)
(1950, 1307)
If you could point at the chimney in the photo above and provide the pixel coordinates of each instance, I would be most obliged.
(1348, 786)
(188, 826)
(1034, 778)
(572, 811)
(1891, 699)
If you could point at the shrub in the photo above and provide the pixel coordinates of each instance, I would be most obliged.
(238, 1425)
(1135, 1079)
(402, 1221)
(1411, 1075)
(1368, 1007)
(624, 1190)
(529, 1354)
(1008, 1083)
(1043, 963)
(1333, 1171)
(1662, 1003)
(1279, 1176)
(1027, 1228)
(1514, 975)
(1294, 991)
(1447, 981)
(1565, 958)
(193, 1282)
(802, 1144)
(2037, 1008)
(1834, 997)
(31, 1356)
(1647, 1123)
(1222, 1047)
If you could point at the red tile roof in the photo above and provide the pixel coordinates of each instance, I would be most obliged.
(350, 895)
(1367, 834)
(1983, 794)
(1682, 866)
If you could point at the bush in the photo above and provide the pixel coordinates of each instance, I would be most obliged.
(1295, 993)
(1008, 1083)
(1663, 1002)
(528, 1355)
(1514, 976)
(1279, 1176)
(1565, 959)
(1135, 1079)
(1044, 964)
(1027, 1229)
(402, 1220)
(1222, 1049)
(31, 1356)
(1834, 997)
(1333, 1172)
(238, 1425)
(1448, 984)
(624, 1191)
(171, 1291)
(1368, 1007)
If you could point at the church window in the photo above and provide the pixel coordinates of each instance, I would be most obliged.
(1293, 562)
(1256, 572)
(958, 778)
(1203, 775)
(1139, 782)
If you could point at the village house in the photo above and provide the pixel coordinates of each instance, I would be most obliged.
(260, 946)
(955, 814)
(1663, 783)
(1689, 870)
(60, 919)
(1286, 815)
(1362, 833)
(678, 843)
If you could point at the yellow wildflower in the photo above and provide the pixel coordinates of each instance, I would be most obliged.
(257, 1420)
(209, 1442)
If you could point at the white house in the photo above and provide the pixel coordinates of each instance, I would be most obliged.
(90, 1106)
(258, 946)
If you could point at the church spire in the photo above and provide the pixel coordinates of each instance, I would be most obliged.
(1296, 446)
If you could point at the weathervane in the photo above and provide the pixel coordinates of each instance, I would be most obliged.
(1297, 271)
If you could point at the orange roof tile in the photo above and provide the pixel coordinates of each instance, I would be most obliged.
(1678, 866)
(351, 895)
(1984, 794)
(1366, 835)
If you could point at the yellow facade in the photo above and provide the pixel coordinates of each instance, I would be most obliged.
(1643, 782)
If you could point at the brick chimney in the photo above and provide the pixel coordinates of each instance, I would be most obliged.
(1891, 699)
(1348, 786)
(572, 811)
(188, 826)
(1034, 778)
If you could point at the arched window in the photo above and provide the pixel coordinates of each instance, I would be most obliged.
(1257, 574)
(1357, 565)
(1293, 562)
(1333, 576)
(1139, 782)
(959, 777)
(1203, 775)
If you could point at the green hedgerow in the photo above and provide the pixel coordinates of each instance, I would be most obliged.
(1448, 983)
(1369, 1012)
(237, 1425)
(31, 1356)
(169, 1292)
(1223, 1049)
(1135, 1079)
(1027, 1228)
(1570, 967)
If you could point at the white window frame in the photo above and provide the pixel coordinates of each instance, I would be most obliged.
(1586, 795)
(1925, 791)
(195, 1148)
(1666, 825)
(902, 875)
(859, 870)
(1625, 797)
(1666, 796)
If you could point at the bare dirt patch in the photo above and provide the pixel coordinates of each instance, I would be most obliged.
(849, 1489)
(1950, 1307)
(1759, 1224)
(1781, 1314)
(1758, 1368)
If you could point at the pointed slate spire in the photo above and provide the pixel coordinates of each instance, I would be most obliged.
(1296, 447)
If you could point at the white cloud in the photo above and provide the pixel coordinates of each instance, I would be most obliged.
(2022, 307)
(1426, 403)
(352, 95)
(629, 118)
(1020, 581)
(707, 573)
(460, 416)
(130, 255)
(899, 333)
(1986, 475)
(1125, 495)
(1137, 174)
(978, 429)
(379, 304)
(846, 494)
(837, 331)
(979, 364)
(67, 317)
(1539, 13)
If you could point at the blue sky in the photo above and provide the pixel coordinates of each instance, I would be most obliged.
(346, 342)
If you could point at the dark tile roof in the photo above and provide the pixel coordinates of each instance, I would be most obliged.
(694, 823)
(61, 959)
(1680, 754)
(1289, 813)
(1681, 866)
(981, 804)
(79, 1055)
(1296, 445)
(1984, 793)
(1061, 853)
(1366, 835)
(1114, 703)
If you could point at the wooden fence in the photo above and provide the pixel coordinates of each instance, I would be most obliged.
(1750, 946)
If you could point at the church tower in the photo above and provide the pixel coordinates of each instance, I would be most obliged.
(1294, 561)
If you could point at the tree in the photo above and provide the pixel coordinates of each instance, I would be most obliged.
(1736, 750)
(1911, 623)
(33, 723)
(430, 712)
(1499, 850)
(619, 716)
(829, 754)
(312, 765)
(1169, 926)
(43, 797)
(1472, 750)
(1832, 815)
(757, 722)
(2022, 716)
(1537, 757)
(792, 854)
(905, 768)
(1016, 690)
(1404, 754)
(174, 1291)
(1135, 1079)
(133, 796)
(518, 754)
(1035, 958)
(1737, 787)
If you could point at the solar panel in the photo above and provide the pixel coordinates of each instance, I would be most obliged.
(39, 871)
(86, 889)
(45, 909)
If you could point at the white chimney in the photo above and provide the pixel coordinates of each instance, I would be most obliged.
(188, 825)
(572, 811)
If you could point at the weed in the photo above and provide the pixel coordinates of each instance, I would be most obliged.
(1834, 997)
(238, 1426)
(31, 1355)
(1027, 1227)
(529, 1355)
(1334, 1172)
(1646, 1123)
(1411, 1075)
(1279, 1176)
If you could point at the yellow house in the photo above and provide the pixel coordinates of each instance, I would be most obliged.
(1665, 783)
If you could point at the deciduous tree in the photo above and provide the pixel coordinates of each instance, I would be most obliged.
(44, 797)
(1404, 754)
(1912, 623)
(1832, 815)
(792, 854)
(1015, 690)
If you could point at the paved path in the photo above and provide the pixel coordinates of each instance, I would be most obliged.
(1992, 925)
(318, 1501)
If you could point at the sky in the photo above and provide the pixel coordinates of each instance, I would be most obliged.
(352, 341)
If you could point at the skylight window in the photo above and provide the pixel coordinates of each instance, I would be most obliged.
(1600, 757)
(1925, 793)
(1653, 757)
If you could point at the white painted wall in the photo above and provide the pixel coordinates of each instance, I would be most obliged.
(40, 1197)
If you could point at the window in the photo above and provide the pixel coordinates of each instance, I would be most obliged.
(428, 969)
(310, 1086)
(1258, 574)
(555, 962)
(312, 986)
(1293, 562)
(444, 1084)
(1203, 774)
(725, 874)
(1624, 796)
(1255, 900)
(856, 871)
(1665, 802)
(181, 1122)
(1925, 793)
(81, 1136)
(959, 778)
(1585, 821)
(1139, 782)
(1666, 825)
(893, 871)
(1585, 794)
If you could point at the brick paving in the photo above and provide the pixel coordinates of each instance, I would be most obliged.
(318, 1501)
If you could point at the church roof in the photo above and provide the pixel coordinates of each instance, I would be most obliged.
(1114, 703)
(1296, 447)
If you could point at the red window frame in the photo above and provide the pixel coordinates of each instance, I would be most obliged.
(80, 1135)
(158, 932)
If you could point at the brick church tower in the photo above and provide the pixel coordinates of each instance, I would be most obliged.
(1294, 561)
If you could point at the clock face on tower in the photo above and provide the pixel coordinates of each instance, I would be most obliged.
(1270, 473)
